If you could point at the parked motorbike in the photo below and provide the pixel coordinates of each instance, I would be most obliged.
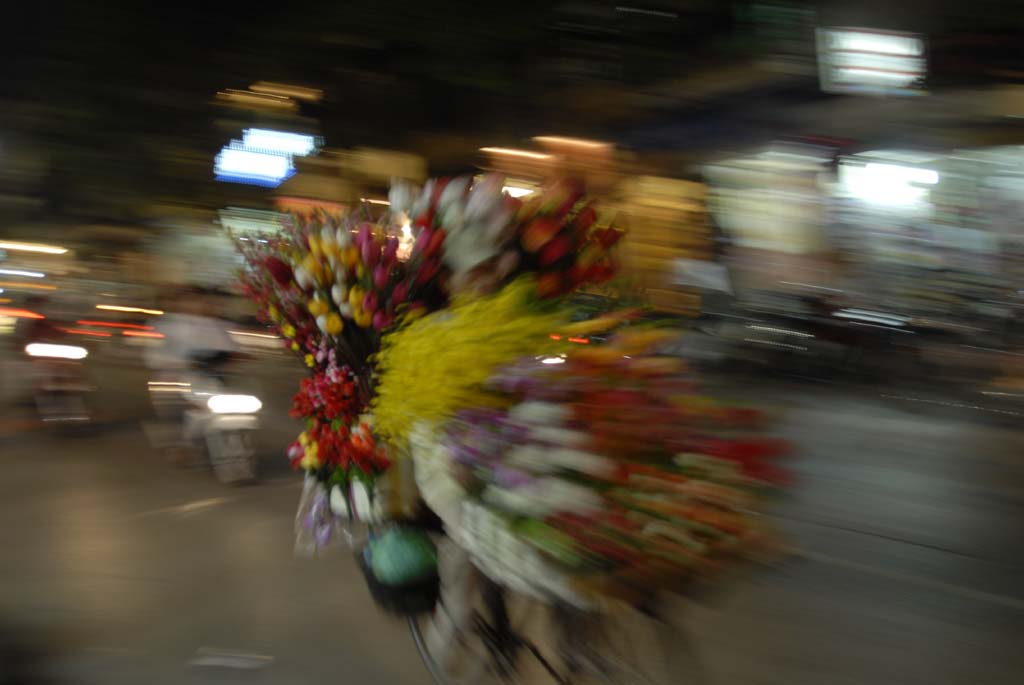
(212, 417)
(61, 390)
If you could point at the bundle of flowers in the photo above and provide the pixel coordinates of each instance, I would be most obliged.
(604, 471)
(340, 289)
(489, 238)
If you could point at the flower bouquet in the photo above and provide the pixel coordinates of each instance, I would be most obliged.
(337, 287)
(597, 471)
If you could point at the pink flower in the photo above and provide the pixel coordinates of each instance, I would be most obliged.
(380, 276)
(400, 292)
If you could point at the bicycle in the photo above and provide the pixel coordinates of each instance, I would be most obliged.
(492, 645)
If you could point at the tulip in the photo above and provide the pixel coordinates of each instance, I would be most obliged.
(346, 310)
(400, 292)
(317, 307)
(365, 235)
(303, 278)
(370, 302)
(350, 257)
(422, 241)
(390, 249)
(427, 271)
(380, 276)
(321, 322)
(363, 320)
(355, 296)
(379, 320)
(281, 272)
(370, 252)
(334, 324)
(339, 294)
(436, 241)
(343, 237)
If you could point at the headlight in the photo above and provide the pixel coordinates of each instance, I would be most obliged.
(234, 404)
(56, 351)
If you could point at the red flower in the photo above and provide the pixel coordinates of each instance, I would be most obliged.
(281, 272)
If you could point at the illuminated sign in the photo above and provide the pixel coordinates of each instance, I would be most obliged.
(279, 142)
(239, 164)
(871, 62)
(263, 157)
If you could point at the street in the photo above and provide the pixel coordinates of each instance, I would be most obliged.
(906, 519)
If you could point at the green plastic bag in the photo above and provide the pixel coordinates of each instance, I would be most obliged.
(402, 556)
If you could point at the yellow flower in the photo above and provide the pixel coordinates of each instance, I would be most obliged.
(288, 330)
(363, 319)
(273, 313)
(317, 307)
(309, 360)
(295, 347)
(312, 265)
(334, 324)
(314, 245)
(360, 271)
(438, 364)
(350, 256)
(355, 297)
(413, 314)
(303, 438)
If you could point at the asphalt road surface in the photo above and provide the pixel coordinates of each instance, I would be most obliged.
(907, 519)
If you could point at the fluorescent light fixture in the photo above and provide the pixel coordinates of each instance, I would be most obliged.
(247, 98)
(234, 404)
(15, 246)
(239, 164)
(888, 184)
(130, 310)
(510, 152)
(142, 334)
(374, 201)
(22, 272)
(902, 45)
(575, 142)
(905, 174)
(169, 386)
(278, 142)
(56, 351)
(552, 360)
(517, 192)
(287, 90)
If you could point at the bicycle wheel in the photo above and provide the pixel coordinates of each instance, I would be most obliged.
(624, 645)
(485, 640)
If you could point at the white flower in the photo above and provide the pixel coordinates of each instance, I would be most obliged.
(454, 192)
(339, 293)
(303, 278)
(422, 203)
(321, 322)
(402, 195)
(343, 237)
(485, 198)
